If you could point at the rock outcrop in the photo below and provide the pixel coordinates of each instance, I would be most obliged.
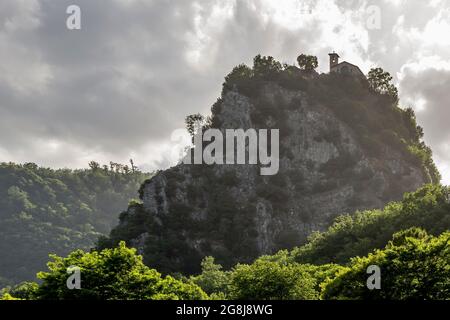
(333, 160)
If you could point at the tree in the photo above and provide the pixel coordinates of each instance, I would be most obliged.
(7, 296)
(307, 62)
(94, 165)
(380, 81)
(413, 265)
(239, 73)
(133, 167)
(23, 291)
(241, 79)
(112, 274)
(267, 280)
(266, 67)
(212, 279)
(194, 122)
(416, 131)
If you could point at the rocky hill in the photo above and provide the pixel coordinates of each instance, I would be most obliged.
(343, 147)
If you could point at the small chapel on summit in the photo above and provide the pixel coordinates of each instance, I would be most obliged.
(344, 67)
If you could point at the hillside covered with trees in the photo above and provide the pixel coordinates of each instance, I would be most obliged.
(45, 211)
(413, 262)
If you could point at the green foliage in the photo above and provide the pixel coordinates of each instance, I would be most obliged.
(138, 221)
(423, 154)
(23, 291)
(112, 274)
(266, 67)
(362, 232)
(380, 81)
(194, 122)
(213, 280)
(413, 266)
(46, 210)
(7, 296)
(307, 62)
(266, 280)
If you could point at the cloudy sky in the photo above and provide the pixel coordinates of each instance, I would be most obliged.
(120, 87)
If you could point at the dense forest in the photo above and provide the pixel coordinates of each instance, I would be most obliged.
(413, 263)
(45, 211)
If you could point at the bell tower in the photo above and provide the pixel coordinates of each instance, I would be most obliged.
(334, 59)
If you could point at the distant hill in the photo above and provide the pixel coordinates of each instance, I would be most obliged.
(45, 211)
(344, 146)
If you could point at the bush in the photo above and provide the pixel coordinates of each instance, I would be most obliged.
(111, 274)
(265, 280)
(413, 266)
(212, 279)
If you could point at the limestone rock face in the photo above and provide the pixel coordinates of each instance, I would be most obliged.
(235, 214)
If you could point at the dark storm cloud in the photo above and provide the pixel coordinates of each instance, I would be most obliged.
(116, 84)
(124, 80)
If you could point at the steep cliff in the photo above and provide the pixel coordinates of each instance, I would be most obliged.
(343, 147)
